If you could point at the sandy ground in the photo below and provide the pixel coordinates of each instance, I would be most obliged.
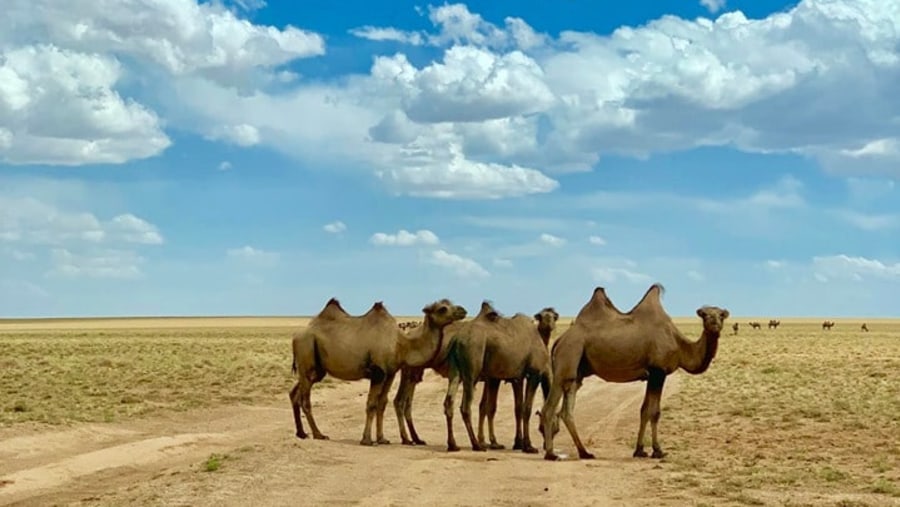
(160, 461)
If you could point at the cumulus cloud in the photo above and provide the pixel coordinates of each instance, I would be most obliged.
(115, 264)
(388, 34)
(551, 240)
(462, 266)
(713, 6)
(334, 227)
(856, 268)
(405, 238)
(241, 134)
(596, 240)
(253, 255)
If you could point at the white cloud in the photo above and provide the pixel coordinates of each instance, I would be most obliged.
(869, 222)
(551, 240)
(502, 263)
(388, 34)
(462, 266)
(241, 134)
(405, 238)
(225, 165)
(252, 255)
(116, 264)
(696, 275)
(596, 240)
(854, 268)
(774, 264)
(713, 6)
(611, 275)
(29, 220)
(335, 227)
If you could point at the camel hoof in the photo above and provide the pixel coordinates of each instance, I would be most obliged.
(585, 455)
(517, 444)
(496, 447)
(551, 456)
(419, 442)
(529, 449)
(367, 442)
(321, 437)
(383, 441)
(479, 448)
(639, 453)
(658, 454)
(453, 448)
(407, 441)
(302, 435)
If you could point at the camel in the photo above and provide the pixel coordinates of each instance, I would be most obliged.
(864, 327)
(755, 325)
(494, 347)
(546, 323)
(368, 346)
(735, 327)
(827, 325)
(773, 324)
(642, 344)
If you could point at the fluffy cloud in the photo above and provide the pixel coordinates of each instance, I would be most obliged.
(713, 6)
(499, 111)
(253, 256)
(596, 240)
(551, 240)
(32, 221)
(405, 238)
(117, 264)
(854, 268)
(334, 227)
(462, 266)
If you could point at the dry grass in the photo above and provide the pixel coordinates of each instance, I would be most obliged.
(795, 409)
(104, 374)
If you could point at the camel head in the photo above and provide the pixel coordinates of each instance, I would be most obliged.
(713, 318)
(554, 423)
(547, 318)
(443, 312)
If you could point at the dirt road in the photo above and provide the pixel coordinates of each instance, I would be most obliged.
(161, 461)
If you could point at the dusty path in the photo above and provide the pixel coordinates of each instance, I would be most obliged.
(159, 461)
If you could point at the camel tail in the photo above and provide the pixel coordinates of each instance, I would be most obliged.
(294, 366)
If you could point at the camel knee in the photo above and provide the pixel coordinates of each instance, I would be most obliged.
(448, 407)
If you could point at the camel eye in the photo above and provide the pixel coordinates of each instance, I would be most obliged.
(443, 310)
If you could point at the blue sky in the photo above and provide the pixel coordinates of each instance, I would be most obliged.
(239, 158)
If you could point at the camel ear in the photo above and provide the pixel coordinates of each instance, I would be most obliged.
(493, 316)
(555, 315)
(725, 313)
(537, 317)
(701, 312)
(427, 310)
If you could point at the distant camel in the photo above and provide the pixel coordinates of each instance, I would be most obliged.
(827, 325)
(735, 327)
(755, 325)
(864, 327)
(773, 324)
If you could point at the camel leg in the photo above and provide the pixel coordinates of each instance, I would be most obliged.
(306, 404)
(525, 411)
(401, 400)
(650, 412)
(549, 418)
(465, 409)
(294, 395)
(449, 399)
(408, 413)
(371, 409)
(517, 407)
(568, 417)
(382, 405)
(488, 407)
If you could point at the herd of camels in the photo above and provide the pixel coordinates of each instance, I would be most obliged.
(642, 344)
(773, 324)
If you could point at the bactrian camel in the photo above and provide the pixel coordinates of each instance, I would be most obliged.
(370, 346)
(546, 323)
(640, 345)
(410, 376)
(494, 347)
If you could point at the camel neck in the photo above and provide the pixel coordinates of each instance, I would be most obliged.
(434, 328)
(697, 356)
(545, 333)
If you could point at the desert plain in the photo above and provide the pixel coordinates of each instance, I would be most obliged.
(194, 411)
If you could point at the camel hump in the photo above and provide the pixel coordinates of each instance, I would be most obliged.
(488, 312)
(652, 297)
(598, 305)
(378, 310)
(333, 309)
